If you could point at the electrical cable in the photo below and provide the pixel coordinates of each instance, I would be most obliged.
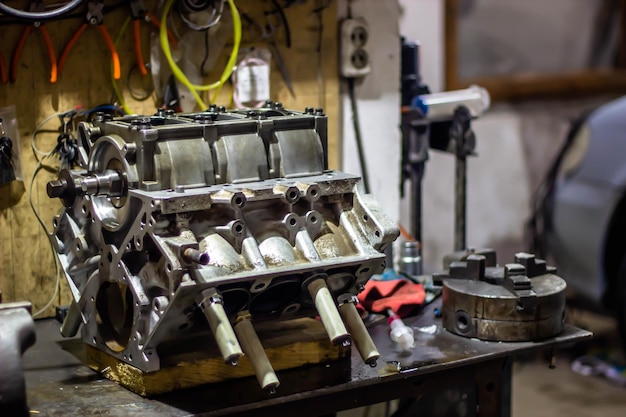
(180, 75)
(285, 22)
(206, 54)
(232, 60)
(39, 16)
(40, 156)
(213, 20)
(165, 46)
(136, 93)
(38, 168)
(357, 135)
(540, 221)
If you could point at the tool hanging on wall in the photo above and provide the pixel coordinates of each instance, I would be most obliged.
(95, 16)
(34, 6)
(283, 21)
(67, 144)
(7, 171)
(38, 16)
(140, 13)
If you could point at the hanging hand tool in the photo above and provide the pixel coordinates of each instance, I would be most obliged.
(283, 19)
(42, 15)
(94, 17)
(7, 172)
(35, 6)
(140, 13)
(67, 145)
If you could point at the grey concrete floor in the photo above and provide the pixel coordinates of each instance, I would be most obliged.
(539, 391)
(542, 392)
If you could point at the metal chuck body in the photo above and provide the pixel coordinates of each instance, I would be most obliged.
(521, 301)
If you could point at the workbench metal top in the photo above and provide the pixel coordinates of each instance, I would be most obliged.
(59, 384)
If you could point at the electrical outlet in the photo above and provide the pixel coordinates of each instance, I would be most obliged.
(355, 57)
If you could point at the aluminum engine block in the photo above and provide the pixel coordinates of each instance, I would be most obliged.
(179, 225)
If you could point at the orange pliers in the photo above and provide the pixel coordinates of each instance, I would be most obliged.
(35, 6)
(139, 12)
(94, 17)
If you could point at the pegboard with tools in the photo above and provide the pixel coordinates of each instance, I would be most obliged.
(62, 70)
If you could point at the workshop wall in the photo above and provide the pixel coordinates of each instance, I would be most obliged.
(26, 262)
(378, 103)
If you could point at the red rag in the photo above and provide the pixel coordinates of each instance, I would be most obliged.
(400, 295)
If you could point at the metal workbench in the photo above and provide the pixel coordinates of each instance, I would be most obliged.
(450, 375)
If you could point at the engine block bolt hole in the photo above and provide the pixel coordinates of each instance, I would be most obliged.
(363, 271)
(463, 322)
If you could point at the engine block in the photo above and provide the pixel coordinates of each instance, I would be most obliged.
(183, 225)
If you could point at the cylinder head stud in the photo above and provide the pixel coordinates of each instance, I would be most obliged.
(256, 355)
(213, 309)
(325, 305)
(361, 337)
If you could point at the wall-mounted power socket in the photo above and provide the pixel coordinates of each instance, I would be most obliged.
(354, 48)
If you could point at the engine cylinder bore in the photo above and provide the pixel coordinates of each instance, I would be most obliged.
(277, 296)
(115, 309)
(234, 299)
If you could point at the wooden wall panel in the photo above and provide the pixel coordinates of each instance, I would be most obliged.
(26, 261)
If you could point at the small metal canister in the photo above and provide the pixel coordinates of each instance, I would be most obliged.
(411, 258)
